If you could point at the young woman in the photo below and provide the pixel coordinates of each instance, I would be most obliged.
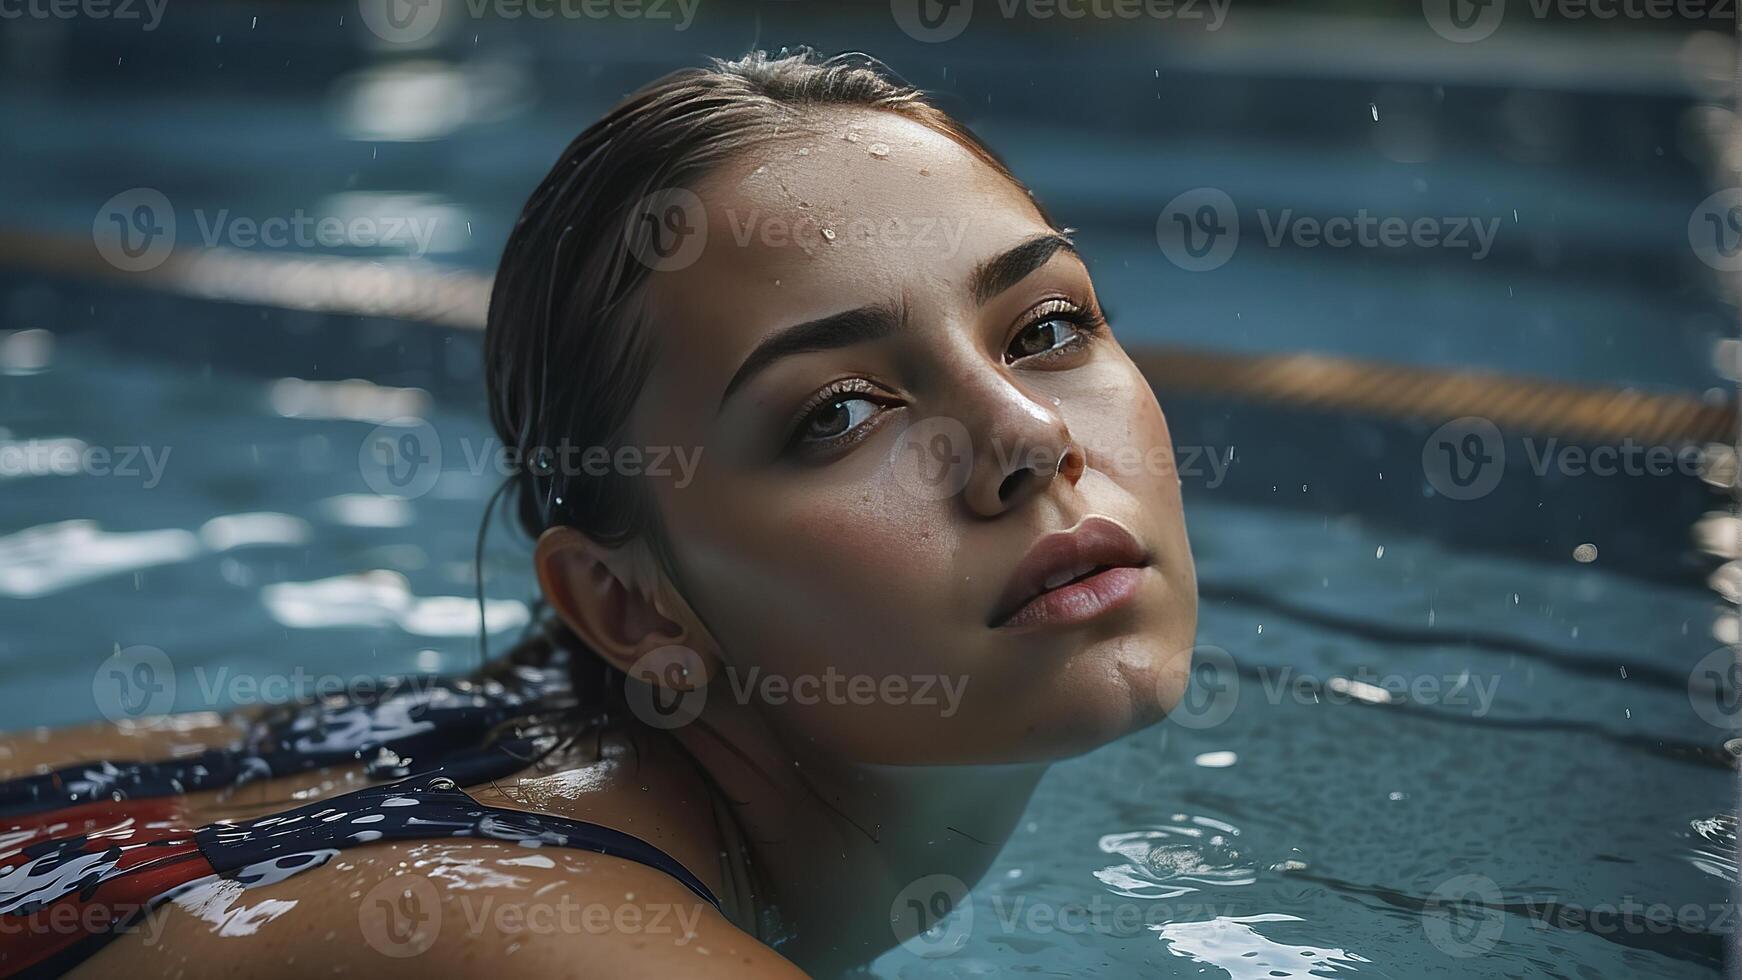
(782, 697)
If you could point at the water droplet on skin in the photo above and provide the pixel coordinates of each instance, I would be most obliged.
(879, 150)
(851, 136)
(829, 234)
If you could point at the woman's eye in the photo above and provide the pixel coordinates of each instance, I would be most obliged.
(836, 418)
(1038, 338)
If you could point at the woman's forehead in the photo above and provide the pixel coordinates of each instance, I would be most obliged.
(854, 210)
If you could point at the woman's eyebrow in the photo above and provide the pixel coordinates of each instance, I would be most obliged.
(1002, 271)
(875, 322)
(842, 329)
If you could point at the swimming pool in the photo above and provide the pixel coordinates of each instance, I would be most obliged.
(1426, 738)
(1401, 755)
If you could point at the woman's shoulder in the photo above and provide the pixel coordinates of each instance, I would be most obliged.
(447, 908)
(29, 751)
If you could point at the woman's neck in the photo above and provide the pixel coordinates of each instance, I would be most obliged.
(836, 844)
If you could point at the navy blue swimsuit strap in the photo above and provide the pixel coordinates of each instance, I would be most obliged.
(429, 805)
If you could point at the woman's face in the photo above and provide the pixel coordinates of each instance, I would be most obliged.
(899, 383)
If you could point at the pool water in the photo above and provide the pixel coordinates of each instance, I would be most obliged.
(1399, 759)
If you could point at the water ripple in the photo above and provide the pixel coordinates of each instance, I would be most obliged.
(1175, 858)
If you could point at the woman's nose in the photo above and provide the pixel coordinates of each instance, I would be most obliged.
(1021, 445)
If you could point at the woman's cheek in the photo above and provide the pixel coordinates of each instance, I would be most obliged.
(1114, 416)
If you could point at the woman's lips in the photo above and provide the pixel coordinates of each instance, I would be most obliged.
(1073, 576)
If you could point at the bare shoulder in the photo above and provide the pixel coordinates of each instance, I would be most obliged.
(29, 751)
(447, 908)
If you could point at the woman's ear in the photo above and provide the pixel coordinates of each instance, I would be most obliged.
(606, 596)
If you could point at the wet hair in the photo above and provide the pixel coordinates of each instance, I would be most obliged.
(567, 351)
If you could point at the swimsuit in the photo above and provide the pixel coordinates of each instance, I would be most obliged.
(89, 850)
